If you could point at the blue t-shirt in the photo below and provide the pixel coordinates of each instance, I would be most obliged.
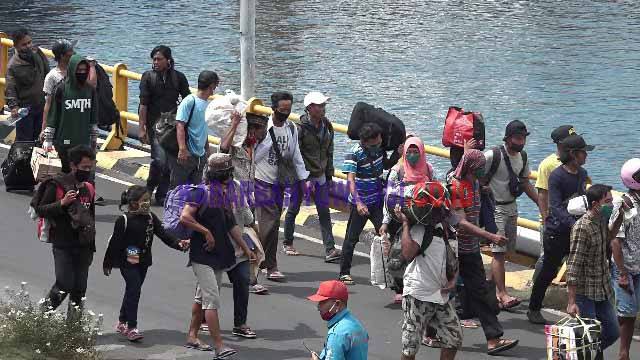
(563, 186)
(197, 132)
(368, 169)
(346, 339)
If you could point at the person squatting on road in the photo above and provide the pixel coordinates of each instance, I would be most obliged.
(129, 249)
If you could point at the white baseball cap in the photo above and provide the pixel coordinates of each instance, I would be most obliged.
(315, 97)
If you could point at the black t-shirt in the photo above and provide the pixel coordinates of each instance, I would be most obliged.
(138, 232)
(161, 93)
(563, 186)
(219, 221)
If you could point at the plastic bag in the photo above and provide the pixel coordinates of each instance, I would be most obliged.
(218, 115)
(378, 267)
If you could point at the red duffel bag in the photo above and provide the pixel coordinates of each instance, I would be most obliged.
(460, 126)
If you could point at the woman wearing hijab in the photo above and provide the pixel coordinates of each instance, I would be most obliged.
(411, 169)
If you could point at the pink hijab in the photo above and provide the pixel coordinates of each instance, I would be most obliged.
(422, 170)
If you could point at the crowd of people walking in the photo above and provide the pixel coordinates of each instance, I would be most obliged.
(224, 207)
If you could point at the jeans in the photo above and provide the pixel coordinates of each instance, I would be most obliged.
(239, 278)
(268, 202)
(355, 225)
(603, 311)
(188, 173)
(474, 279)
(321, 199)
(72, 271)
(134, 276)
(556, 247)
(540, 260)
(29, 127)
(159, 172)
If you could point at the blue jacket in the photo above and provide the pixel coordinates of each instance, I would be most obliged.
(346, 339)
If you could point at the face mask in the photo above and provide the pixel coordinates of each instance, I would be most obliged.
(605, 212)
(83, 175)
(280, 116)
(82, 77)
(144, 207)
(26, 54)
(413, 159)
(326, 316)
(516, 147)
(373, 148)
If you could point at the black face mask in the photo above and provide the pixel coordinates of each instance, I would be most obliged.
(280, 116)
(26, 55)
(82, 77)
(516, 147)
(83, 175)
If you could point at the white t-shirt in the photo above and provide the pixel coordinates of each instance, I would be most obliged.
(267, 170)
(51, 80)
(426, 275)
(500, 181)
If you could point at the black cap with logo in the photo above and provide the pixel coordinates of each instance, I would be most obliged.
(516, 127)
(562, 132)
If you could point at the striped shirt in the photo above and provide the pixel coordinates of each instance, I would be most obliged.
(466, 196)
(368, 170)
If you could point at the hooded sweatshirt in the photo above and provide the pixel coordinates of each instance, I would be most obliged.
(72, 117)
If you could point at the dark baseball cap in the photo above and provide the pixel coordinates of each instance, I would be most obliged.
(562, 132)
(516, 127)
(576, 142)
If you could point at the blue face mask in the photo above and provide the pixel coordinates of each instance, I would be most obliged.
(373, 149)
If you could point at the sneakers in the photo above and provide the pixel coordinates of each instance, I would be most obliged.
(347, 280)
(535, 317)
(134, 335)
(121, 328)
(333, 256)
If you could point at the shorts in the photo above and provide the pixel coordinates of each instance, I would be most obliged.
(208, 289)
(420, 314)
(627, 305)
(507, 223)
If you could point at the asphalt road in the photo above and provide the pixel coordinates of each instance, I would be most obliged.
(282, 319)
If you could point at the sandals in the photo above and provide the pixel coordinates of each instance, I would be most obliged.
(258, 289)
(509, 304)
(469, 324)
(224, 353)
(244, 332)
(432, 342)
(275, 276)
(198, 346)
(347, 280)
(503, 345)
(289, 250)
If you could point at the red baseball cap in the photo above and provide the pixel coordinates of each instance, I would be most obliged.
(332, 289)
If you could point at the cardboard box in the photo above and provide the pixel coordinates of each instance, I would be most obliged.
(44, 164)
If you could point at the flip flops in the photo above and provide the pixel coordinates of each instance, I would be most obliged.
(275, 276)
(347, 280)
(258, 289)
(509, 304)
(469, 324)
(432, 342)
(224, 353)
(503, 345)
(198, 346)
(289, 250)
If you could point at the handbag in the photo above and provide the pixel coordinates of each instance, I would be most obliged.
(167, 130)
(460, 126)
(286, 169)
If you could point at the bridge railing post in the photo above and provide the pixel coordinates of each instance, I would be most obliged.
(121, 98)
(4, 60)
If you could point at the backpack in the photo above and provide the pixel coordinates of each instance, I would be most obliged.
(515, 185)
(173, 206)
(44, 226)
(393, 130)
(108, 113)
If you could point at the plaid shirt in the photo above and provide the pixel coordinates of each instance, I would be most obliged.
(588, 266)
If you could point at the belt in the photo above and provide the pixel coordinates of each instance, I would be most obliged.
(505, 202)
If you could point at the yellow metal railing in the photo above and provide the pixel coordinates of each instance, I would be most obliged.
(120, 80)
